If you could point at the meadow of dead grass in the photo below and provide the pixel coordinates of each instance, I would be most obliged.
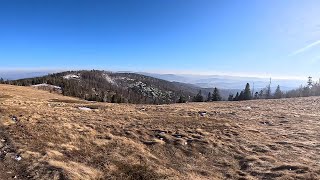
(267, 139)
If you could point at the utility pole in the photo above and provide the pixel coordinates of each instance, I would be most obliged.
(252, 90)
(268, 93)
(270, 82)
(310, 82)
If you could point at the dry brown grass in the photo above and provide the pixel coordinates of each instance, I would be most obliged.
(3, 96)
(273, 139)
(75, 101)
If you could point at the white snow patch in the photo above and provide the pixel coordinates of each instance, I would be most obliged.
(109, 79)
(85, 108)
(124, 78)
(46, 85)
(202, 113)
(71, 76)
(247, 108)
(18, 158)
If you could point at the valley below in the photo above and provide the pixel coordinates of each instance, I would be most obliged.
(49, 136)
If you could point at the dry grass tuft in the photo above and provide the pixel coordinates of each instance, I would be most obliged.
(67, 101)
(4, 96)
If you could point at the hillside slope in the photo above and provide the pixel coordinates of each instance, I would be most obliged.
(106, 86)
(49, 136)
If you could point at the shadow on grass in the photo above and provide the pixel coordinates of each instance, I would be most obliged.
(67, 101)
(136, 172)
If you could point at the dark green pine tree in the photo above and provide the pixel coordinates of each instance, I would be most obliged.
(198, 97)
(236, 98)
(241, 96)
(216, 95)
(278, 93)
(247, 92)
(230, 98)
(113, 99)
(182, 99)
(261, 94)
(209, 97)
(268, 92)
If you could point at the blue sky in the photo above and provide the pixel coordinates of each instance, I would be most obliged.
(256, 38)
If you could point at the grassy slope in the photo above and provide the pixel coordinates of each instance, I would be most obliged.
(254, 140)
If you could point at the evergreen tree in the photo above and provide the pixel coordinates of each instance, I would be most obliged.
(268, 92)
(216, 95)
(113, 99)
(247, 92)
(209, 97)
(198, 97)
(305, 92)
(278, 93)
(236, 98)
(230, 98)
(182, 99)
(241, 96)
(261, 93)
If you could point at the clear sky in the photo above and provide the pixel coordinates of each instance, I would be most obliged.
(261, 37)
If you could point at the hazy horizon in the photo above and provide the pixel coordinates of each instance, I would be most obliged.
(163, 72)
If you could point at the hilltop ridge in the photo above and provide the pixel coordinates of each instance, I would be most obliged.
(105, 86)
(117, 87)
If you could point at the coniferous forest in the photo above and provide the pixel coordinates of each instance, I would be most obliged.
(106, 86)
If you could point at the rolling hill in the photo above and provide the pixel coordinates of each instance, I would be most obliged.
(107, 86)
(118, 87)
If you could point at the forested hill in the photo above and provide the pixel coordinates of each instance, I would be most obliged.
(114, 87)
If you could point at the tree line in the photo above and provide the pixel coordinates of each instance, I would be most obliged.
(214, 96)
(311, 89)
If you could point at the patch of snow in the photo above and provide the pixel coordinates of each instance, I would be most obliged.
(71, 76)
(248, 108)
(47, 85)
(84, 108)
(124, 78)
(202, 113)
(109, 79)
(14, 118)
(148, 90)
(18, 158)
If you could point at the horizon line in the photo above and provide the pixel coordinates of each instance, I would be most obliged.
(163, 72)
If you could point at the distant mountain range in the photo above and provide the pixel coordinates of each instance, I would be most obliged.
(229, 82)
(14, 75)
